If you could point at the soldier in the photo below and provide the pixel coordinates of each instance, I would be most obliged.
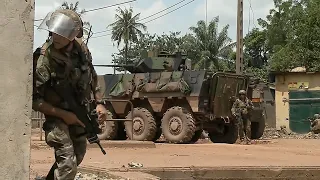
(64, 57)
(240, 110)
(315, 124)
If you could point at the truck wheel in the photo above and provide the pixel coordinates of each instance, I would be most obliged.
(109, 128)
(257, 129)
(144, 125)
(196, 136)
(178, 125)
(229, 136)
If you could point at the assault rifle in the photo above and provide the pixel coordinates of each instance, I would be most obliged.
(64, 90)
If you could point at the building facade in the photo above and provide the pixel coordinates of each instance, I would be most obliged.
(297, 97)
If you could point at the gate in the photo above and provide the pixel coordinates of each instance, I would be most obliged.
(302, 105)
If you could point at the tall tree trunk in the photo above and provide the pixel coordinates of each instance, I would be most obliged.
(126, 54)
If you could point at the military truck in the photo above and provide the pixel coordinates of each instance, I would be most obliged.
(162, 95)
(256, 92)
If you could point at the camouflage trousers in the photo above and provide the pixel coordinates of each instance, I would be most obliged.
(244, 125)
(69, 148)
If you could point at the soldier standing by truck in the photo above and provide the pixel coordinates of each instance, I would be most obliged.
(64, 59)
(240, 110)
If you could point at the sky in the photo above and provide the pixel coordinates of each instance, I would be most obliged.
(101, 45)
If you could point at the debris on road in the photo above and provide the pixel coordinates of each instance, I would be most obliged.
(135, 165)
(273, 133)
(87, 176)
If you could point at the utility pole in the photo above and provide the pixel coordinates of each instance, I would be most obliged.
(206, 40)
(239, 58)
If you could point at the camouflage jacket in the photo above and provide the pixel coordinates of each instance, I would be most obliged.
(52, 65)
(240, 107)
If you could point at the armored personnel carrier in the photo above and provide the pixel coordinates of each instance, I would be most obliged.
(162, 95)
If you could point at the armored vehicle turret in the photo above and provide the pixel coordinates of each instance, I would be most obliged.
(157, 62)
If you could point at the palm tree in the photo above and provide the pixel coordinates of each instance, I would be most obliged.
(126, 28)
(215, 46)
(74, 7)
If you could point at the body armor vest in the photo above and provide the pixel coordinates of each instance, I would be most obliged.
(65, 70)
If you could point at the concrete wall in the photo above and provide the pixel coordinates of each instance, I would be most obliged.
(16, 42)
(282, 108)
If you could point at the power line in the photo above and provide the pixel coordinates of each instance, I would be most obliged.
(250, 4)
(249, 21)
(142, 18)
(169, 12)
(95, 9)
(101, 36)
(109, 6)
(147, 16)
(152, 15)
(101, 31)
(162, 10)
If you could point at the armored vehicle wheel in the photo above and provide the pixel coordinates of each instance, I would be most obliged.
(257, 129)
(109, 128)
(178, 125)
(230, 135)
(196, 136)
(144, 125)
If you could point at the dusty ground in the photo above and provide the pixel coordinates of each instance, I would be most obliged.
(278, 152)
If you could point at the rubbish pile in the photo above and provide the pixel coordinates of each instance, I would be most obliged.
(86, 176)
(273, 133)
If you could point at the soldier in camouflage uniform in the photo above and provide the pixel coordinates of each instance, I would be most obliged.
(315, 124)
(240, 110)
(64, 57)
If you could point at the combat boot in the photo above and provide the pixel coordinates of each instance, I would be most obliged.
(248, 141)
(242, 141)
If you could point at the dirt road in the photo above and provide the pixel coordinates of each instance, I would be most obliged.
(280, 152)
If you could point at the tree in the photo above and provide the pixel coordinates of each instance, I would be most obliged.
(292, 31)
(171, 42)
(215, 46)
(203, 43)
(256, 48)
(126, 28)
(145, 42)
(75, 8)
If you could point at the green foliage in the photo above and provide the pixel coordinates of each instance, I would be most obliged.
(292, 31)
(289, 38)
(256, 49)
(261, 73)
(203, 45)
(126, 28)
(215, 47)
